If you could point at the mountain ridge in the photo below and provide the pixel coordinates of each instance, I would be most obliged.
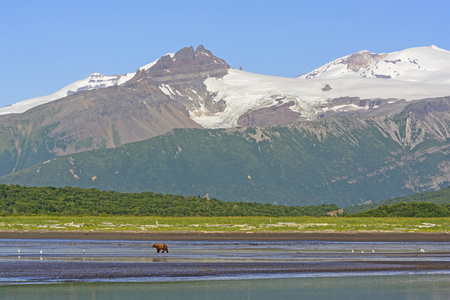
(352, 63)
(192, 88)
(340, 160)
(414, 64)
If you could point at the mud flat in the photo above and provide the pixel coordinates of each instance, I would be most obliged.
(215, 235)
(65, 271)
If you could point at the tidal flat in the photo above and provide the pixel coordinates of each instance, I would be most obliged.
(118, 265)
(62, 260)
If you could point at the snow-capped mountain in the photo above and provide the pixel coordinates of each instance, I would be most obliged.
(248, 99)
(421, 64)
(92, 82)
(335, 88)
(195, 89)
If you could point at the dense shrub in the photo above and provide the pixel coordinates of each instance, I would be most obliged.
(19, 200)
(413, 209)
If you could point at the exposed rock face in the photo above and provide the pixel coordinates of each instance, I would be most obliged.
(276, 114)
(434, 114)
(355, 106)
(350, 160)
(326, 88)
(355, 62)
(187, 64)
(98, 81)
(362, 59)
(99, 119)
(182, 76)
(171, 93)
(144, 107)
(424, 109)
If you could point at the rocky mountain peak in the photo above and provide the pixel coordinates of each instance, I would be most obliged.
(202, 51)
(201, 48)
(200, 62)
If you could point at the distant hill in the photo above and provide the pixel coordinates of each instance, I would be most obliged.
(193, 88)
(18, 200)
(343, 160)
(440, 197)
(363, 128)
(411, 209)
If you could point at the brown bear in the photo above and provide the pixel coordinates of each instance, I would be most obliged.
(160, 247)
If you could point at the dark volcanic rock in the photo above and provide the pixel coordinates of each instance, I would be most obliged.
(424, 107)
(185, 73)
(276, 114)
(187, 64)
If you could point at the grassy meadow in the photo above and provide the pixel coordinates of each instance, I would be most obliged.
(210, 224)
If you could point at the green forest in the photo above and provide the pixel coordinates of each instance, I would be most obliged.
(344, 161)
(440, 198)
(411, 209)
(18, 200)
(72, 201)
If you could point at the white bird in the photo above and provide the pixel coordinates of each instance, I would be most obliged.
(422, 250)
(84, 251)
(373, 251)
(40, 252)
(352, 251)
(18, 250)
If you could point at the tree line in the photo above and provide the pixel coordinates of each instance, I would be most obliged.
(73, 201)
(410, 209)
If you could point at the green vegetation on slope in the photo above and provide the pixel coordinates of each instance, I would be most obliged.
(413, 209)
(345, 161)
(18, 200)
(437, 197)
(20, 149)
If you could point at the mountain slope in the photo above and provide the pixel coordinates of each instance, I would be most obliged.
(106, 117)
(93, 82)
(420, 64)
(410, 74)
(440, 197)
(195, 89)
(359, 84)
(344, 161)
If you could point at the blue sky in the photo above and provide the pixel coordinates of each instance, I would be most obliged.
(46, 45)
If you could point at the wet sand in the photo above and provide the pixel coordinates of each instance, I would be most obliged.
(65, 271)
(33, 270)
(193, 235)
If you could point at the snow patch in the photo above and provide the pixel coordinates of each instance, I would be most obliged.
(94, 81)
(243, 91)
(421, 64)
(148, 66)
(166, 89)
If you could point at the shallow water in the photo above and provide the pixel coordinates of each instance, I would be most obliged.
(219, 252)
(411, 287)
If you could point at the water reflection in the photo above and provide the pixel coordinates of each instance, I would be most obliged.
(221, 251)
(369, 287)
(217, 252)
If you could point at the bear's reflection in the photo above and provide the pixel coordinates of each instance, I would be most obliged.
(159, 259)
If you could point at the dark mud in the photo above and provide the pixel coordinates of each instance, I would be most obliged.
(79, 270)
(267, 236)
